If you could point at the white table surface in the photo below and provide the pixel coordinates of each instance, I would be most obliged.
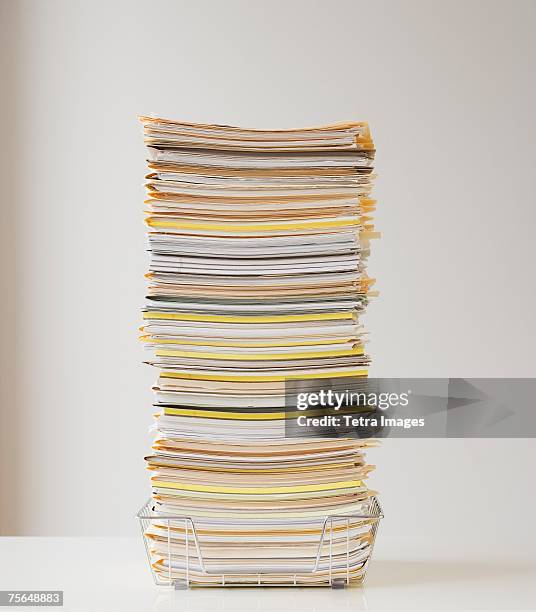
(112, 574)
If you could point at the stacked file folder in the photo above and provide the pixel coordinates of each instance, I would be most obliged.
(258, 244)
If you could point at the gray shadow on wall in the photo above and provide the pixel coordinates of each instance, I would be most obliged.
(11, 167)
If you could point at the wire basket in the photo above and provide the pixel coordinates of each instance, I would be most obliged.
(339, 556)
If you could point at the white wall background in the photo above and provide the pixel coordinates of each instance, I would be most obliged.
(449, 92)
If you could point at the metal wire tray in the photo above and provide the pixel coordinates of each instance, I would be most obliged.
(339, 577)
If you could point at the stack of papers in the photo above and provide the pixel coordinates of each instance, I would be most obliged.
(258, 242)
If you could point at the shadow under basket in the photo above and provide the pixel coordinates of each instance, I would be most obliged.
(335, 554)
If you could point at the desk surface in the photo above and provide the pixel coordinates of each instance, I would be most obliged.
(112, 574)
